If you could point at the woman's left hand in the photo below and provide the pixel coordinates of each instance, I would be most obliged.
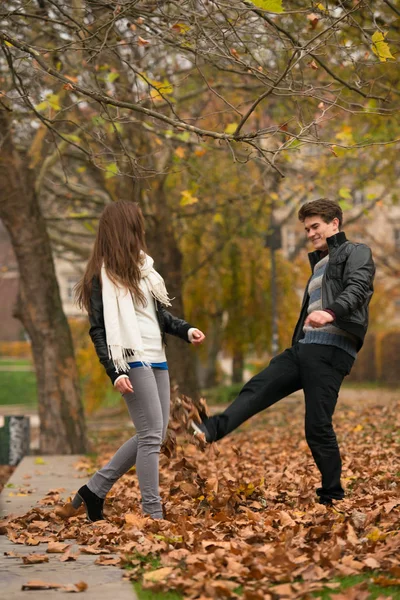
(197, 337)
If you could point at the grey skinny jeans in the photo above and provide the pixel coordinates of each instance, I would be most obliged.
(148, 406)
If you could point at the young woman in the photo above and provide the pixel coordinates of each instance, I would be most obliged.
(126, 299)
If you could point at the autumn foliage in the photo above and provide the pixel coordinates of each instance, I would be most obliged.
(241, 517)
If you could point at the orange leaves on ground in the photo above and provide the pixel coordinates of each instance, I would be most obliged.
(243, 513)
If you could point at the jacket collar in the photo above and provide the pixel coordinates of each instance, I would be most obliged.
(333, 242)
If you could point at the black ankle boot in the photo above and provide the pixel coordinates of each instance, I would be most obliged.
(93, 504)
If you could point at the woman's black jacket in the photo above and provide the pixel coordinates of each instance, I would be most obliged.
(168, 324)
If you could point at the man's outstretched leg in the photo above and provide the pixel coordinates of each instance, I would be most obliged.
(278, 380)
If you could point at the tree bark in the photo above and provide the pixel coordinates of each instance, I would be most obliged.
(168, 261)
(237, 367)
(62, 423)
(213, 348)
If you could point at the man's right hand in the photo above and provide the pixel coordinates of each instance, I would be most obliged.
(124, 385)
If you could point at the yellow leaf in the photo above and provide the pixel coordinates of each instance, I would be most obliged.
(269, 5)
(231, 128)
(187, 198)
(39, 461)
(380, 47)
(358, 428)
(158, 575)
(218, 218)
(375, 535)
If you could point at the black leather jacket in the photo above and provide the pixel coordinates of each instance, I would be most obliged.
(168, 324)
(347, 286)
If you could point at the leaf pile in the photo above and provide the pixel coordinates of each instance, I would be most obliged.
(241, 517)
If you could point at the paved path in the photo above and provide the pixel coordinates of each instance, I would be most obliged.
(57, 472)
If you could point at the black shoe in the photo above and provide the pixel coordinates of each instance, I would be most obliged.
(93, 504)
(325, 501)
(200, 430)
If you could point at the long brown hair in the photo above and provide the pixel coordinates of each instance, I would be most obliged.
(120, 239)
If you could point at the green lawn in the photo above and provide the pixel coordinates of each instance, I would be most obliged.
(346, 583)
(15, 362)
(18, 387)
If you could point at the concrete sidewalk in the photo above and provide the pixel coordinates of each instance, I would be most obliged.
(103, 582)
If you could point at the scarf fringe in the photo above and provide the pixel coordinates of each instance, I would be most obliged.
(120, 357)
(160, 293)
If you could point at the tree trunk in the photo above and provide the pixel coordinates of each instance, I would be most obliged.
(213, 348)
(62, 423)
(237, 367)
(168, 261)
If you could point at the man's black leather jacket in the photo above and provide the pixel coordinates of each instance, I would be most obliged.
(168, 324)
(347, 286)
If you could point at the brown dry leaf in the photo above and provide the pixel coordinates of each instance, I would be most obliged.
(134, 520)
(371, 563)
(254, 521)
(385, 581)
(190, 489)
(67, 511)
(286, 520)
(108, 561)
(69, 556)
(37, 584)
(31, 541)
(158, 575)
(93, 550)
(42, 525)
(57, 547)
(32, 559)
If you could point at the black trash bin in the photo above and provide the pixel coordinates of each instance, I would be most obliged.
(14, 439)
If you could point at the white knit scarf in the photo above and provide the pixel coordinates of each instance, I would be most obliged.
(122, 330)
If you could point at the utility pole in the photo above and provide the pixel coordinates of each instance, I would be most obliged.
(273, 241)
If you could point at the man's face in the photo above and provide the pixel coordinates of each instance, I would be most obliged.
(318, 231)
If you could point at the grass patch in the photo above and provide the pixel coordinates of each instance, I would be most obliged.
(223, 394)
(155, 562)
(18, 387)
(346, 583)
(15, 362)
(151, 595)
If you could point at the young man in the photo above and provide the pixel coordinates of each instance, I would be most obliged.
(330, 331)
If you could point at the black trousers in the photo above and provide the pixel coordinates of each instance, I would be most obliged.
(317, 369)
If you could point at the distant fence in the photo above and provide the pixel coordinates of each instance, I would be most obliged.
(379, 359)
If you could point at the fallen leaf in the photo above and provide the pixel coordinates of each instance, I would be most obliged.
(158, 575)
(57, 547)
(32, 559)
(108, 561)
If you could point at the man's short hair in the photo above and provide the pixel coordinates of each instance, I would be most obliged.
(324, 208)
